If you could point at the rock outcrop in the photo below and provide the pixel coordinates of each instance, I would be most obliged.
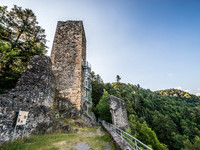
(118, 112)
(34, 92)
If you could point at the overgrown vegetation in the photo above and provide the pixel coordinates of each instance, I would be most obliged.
(170, 116)
(20, 38)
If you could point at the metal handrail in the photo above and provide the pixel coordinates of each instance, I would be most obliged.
(86, 99)
(127, 137)
(87, 87)
(86, 65)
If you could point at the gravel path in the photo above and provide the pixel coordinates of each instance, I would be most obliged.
(99, 132)
(107, 146)
(82, 146)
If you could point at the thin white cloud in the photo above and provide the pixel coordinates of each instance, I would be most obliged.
(179, 88)
(198, 94)
(187, 91)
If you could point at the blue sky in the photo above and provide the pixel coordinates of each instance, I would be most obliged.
(154, 43)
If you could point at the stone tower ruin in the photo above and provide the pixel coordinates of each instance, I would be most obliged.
(68, 57)
(61, 81)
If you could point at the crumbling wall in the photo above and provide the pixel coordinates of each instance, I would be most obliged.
(118, 112)
(35, 93)
(67, 55)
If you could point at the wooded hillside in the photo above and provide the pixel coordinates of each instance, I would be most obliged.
(173, 115)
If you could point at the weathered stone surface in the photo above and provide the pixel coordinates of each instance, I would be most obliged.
(65, 109)
(68, 54)
(34, 92)
(118, 112)
(89, 120)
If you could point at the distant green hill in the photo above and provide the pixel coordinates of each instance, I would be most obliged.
(173, 115)
(180, 95)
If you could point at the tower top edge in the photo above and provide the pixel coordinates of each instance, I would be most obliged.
(71, 21)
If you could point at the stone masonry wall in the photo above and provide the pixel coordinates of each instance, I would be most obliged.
(34, 92)
(68, 54)
(118, 112)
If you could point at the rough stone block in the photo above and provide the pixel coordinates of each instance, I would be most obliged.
(118, 112)
(35, 93)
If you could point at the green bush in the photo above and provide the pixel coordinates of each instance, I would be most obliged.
(103, 109)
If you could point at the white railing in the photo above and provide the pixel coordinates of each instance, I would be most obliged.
(134, 143)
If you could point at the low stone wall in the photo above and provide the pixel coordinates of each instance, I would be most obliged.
(118, 142)
(34, 92)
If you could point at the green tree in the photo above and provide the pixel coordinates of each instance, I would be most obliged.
(118, 78)
(145, 134)
(164, 127)
(103, 109)
(20, 28)
(97, 88)
(97, 91)
(178, 139)
(20, 38)
(192, 145)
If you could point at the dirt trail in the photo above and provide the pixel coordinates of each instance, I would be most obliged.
(99, 132)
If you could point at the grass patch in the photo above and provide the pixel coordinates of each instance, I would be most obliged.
(37, 142)
(62, 141)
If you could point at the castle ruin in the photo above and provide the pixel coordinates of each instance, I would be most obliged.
(61, 80)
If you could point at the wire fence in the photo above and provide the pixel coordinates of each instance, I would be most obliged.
(134, 143)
